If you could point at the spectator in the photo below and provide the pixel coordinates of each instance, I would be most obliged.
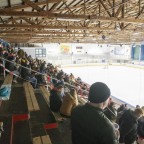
(137, 106)
(56, 97)
(120, 112)
(140, 129)
(42, 67)
(122, 108)
(79, 79)
(111, 112)
(88, 122)
(27, 74)
(140, 138)
(69, 102)
(128, 125)
(12, 67)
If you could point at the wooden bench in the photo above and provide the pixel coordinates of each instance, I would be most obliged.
(42, 140)
(7, 83)
(46, 94)
(30, 97)
(8, 79)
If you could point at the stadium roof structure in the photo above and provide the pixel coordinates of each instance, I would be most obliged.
(94, 21)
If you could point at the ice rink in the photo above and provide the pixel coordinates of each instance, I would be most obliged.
(126, 84)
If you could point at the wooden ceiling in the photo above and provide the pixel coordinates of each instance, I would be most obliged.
(94, 21)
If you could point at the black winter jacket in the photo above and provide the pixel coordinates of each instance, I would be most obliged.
(10, 65)
(128, 127)
(55, 101)
(90, 126)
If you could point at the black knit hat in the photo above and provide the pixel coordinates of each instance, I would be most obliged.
(59, 84)
(99, 92)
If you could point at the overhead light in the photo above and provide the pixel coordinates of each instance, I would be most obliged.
(53, 29)
(67, 19)
(136, 33)
(95, 22)
(117, 27)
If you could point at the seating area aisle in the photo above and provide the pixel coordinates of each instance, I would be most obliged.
(23, 126)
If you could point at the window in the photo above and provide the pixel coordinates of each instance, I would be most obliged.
(40, 52)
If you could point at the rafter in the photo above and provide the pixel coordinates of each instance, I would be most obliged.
(33, 5)
(68, 16)
(37, 20)
(28, 21)
(54, 27)
(55, 5)
(9, 3)
(21, 6)
(105, 7)
(118, 11)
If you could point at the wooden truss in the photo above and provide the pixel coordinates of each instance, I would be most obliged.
(94, 21)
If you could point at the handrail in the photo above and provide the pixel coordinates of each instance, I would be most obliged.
(18, 75)
(36, 71)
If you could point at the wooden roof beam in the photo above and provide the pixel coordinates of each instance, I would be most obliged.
(9, 3)
(15, 7)
(54, 27)
(43, 32)
(68, 16)
(33, 5)
(101, 1)
(118, 10)
(28, 21)
(55, 5)
(1, 20)
(58, 27)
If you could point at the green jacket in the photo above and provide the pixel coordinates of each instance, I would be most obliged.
(90, 126)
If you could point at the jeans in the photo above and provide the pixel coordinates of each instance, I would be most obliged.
(32, 80)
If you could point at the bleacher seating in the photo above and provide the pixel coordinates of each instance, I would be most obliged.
(30, 97)
(42, 140)
(8, 80)
(45, 93)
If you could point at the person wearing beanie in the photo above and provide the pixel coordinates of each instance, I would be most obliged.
(12, 67)
(88, 122)
(56, 97)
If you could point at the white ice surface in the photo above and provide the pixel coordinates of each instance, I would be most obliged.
(126, 83)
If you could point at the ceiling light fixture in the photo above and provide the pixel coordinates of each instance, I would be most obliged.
(67, 19)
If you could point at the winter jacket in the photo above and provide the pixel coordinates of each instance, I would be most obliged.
(10, 65)
(55, 101)
(128, 127)
(90, 126)
(111, 113)
(25, 72)
(140, 129)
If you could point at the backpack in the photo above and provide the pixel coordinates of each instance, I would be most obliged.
(4, 91)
